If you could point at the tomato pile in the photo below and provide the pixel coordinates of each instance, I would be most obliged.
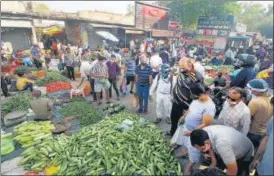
(57, 86)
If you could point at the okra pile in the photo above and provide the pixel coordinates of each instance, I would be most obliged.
(102, 149)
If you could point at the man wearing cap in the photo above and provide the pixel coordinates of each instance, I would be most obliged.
(261, 110)
(163, 86)
(155, 62)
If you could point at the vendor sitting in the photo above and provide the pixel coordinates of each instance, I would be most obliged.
(42, 107)
(24, 83)
(27, 61)
(220, 81)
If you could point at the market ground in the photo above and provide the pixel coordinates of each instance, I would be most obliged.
(10, 167)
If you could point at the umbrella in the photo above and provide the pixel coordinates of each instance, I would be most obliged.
(107, 35)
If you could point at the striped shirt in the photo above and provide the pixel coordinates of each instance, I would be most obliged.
(99, 69)
(229, 144)
(131, 66)
(143, 75)
(181, 91)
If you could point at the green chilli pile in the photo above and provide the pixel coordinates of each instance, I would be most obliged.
(51, 76)
(88, 114)
(102, 149)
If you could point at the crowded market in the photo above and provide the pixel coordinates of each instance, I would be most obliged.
(80, 96)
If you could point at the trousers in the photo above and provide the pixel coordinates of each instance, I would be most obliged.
(176, 112)
(113, 82)
(163, 105)
(143, 94)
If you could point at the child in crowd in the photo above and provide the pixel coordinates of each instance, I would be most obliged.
(24, 83)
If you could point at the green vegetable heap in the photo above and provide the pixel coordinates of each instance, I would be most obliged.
(16, 103)
(88, 114)
(102, 149)
(113, 108)
(51, 76)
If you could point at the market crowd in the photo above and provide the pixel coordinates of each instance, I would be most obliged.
(239, 138)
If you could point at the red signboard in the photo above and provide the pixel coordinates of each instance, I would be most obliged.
(154, 12)
(151, 17)
(173, 25)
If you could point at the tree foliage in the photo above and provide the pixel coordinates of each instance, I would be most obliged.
(258, 18)
(188, 12)
(42, 8)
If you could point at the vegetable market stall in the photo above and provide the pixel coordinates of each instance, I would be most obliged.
(103, 148)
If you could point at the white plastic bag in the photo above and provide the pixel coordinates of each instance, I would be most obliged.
(178, 137)
(77, 92)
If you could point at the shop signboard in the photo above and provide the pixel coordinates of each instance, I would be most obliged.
(211, 29)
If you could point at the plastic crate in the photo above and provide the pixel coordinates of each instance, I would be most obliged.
(5, 69)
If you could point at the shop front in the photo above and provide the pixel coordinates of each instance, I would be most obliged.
(18, 32)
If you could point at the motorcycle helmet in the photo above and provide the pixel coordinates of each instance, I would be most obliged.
(246, 60)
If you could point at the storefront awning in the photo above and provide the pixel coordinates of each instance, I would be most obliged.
(16, 23)
(166, 33)
(107, 35)
(134, 32)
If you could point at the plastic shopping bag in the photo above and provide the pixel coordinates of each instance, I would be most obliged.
(7, 145)
(77, 93)
(123, 86)
(178, 137)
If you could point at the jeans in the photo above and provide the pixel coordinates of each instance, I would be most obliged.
(28, 86)
(70, 71)
(91, 80)
(143, 94)
(176, 112)
(113, 82)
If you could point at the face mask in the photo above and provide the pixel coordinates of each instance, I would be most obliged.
(143, 64)
(184, 71)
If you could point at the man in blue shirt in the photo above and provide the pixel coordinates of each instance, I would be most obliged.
(264, 155)
(27, 61)
(143, 80)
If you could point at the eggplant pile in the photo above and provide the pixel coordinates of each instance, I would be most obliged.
(113, 108)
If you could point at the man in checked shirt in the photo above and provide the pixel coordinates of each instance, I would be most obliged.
(235, 112)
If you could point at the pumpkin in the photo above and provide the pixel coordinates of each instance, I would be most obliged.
(41, 74)
(87, 89)
(77, 74)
